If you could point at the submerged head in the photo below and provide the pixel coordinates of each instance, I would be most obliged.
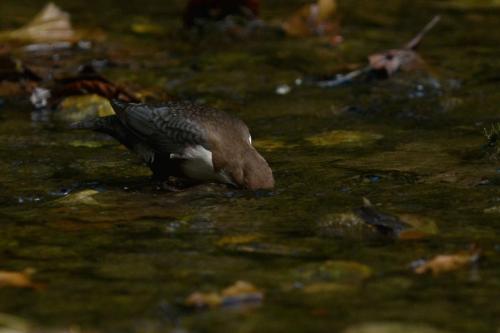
(256, 172)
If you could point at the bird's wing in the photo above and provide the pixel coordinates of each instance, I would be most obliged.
(166, 129)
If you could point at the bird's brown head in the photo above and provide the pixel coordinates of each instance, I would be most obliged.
(256, 172)
(233, 152)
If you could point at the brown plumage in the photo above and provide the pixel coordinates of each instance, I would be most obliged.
(186, 140)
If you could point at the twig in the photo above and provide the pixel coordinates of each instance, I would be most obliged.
(413, 44)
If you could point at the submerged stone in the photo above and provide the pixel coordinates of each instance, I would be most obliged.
(341, 137)
(77, 108)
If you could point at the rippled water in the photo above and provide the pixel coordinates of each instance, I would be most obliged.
(124, 256)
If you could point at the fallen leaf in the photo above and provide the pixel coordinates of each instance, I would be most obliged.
(88, 82)
(402, 226)
(51, 24)
(313, 19)
(237, 239)
(17, 279)
(385, 64)
(447, 262)
(240, 293)
(85, 197)
(201, 300)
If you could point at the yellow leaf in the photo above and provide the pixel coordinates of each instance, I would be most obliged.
(51, 24)
(17, 279)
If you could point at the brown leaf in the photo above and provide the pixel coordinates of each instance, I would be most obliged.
(447, 262)
(401, 226)
(240, 293)
(51, 24)
(86, 83)
(17, 279)
(313, 19)
(390, 62)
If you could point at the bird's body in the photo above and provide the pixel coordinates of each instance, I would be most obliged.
(186, 140)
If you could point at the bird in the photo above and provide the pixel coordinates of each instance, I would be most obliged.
(188, 141)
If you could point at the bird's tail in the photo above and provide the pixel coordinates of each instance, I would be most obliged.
(101, 124)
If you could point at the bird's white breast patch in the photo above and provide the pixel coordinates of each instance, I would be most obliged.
(199, 165)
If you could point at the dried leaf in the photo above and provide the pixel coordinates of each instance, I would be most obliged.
(385, 64)
(51, 24)
(240, 293)
(17, 279)
(388, 63)
(89, 82)
(313, 19)
(403, 226)
(85, 197)
(237, 239)
(447, 262)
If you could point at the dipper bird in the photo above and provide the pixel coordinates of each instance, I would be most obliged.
(187, 140)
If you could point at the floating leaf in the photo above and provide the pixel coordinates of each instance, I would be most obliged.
(240, 293)
(51, 24)
(385, 64)
(403, 226)
(312, 19)
(85, 197)
(17, 279)
(447, 262)
(143, 26)
(88, 82)
(237, 239)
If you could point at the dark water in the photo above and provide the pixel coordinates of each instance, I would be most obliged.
(124, 258)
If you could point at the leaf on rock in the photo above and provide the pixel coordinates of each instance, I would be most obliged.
(78, 108)
(403, 226)
(238, 294)
(313, 19)
(51, 24)
(18, 279)
(444, 263)
(88, 81)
